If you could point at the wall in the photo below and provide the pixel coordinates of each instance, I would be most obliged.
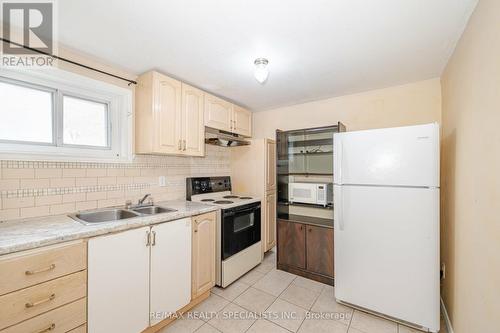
(31, 188)
(470, 175)
(409, 104)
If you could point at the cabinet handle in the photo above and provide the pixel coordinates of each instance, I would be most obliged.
(48, 329)
(148, 239)
(45, 300)
(153, 242)
(33, 272)
(195, 230)
(310, 230)
(301, 227)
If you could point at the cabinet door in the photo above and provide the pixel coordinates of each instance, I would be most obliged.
(203, 257)
(270, 165)
(167, 115)
(218, 113)
(170, 284)
(270, 220)
(242, 121)
(320, 250)
(291, 244)
(118, 282)
(193, 126)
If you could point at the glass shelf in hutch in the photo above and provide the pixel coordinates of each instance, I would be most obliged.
(303, 153)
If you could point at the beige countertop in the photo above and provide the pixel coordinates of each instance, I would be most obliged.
(25, 234)
(309, 220)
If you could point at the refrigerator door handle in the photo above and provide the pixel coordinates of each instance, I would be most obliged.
(340, 210)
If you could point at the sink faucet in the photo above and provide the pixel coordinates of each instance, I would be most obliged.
(141, 201)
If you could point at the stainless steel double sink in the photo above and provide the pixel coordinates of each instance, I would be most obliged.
(117, 214)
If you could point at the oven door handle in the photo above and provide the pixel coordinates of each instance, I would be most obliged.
(246, 209)
(228, 213)
(241, 212)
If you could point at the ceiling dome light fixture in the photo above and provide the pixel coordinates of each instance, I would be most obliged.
(261, 72)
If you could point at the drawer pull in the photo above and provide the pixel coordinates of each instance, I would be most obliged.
(33, 272)
(45, 300)
(48, 329)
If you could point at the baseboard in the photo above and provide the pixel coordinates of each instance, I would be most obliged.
(164, 323)
(446, 318)
(307, 274)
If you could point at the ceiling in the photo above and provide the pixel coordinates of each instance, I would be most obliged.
(316, 48)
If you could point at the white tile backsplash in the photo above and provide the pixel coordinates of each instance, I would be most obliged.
(33, 188)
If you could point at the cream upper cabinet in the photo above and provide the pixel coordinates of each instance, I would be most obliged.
(270, 165)
(166, 114)
(193, 127)
(169, 117)
(242, 121)
(218, 113)
(270, 222)
(204, 252)
(225, 116)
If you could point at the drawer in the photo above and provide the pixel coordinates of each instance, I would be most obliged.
(24, 269)
(67, 318)
(81, 329)
(27, 303)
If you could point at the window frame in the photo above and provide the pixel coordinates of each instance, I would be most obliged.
(63, 83)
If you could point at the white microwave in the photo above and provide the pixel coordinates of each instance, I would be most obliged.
(310, 193)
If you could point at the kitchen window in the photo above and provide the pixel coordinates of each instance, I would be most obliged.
(26, 112)
(63, 117)
(85, 122)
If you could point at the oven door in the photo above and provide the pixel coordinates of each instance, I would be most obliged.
(240, 228)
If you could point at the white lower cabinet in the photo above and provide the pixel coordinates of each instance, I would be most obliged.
(138, 276)
(170, 268)
(118, 282)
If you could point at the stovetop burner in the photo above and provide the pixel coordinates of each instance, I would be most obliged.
(207, 200)
(244, 198)
(223, 202)
(230, 197)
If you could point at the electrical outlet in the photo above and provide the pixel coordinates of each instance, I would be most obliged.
(443, 271)
(162, 181)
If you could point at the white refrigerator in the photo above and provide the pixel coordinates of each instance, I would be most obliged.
(386, 219)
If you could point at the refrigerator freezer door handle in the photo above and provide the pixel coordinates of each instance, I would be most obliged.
(341, 151)
(339, 161)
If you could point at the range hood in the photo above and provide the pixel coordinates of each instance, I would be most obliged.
(223, 138)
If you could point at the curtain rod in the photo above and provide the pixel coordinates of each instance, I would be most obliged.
(69, 61)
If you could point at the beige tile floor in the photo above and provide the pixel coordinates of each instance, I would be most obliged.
(274, 294)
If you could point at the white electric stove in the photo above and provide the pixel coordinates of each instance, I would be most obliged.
(238, 228)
